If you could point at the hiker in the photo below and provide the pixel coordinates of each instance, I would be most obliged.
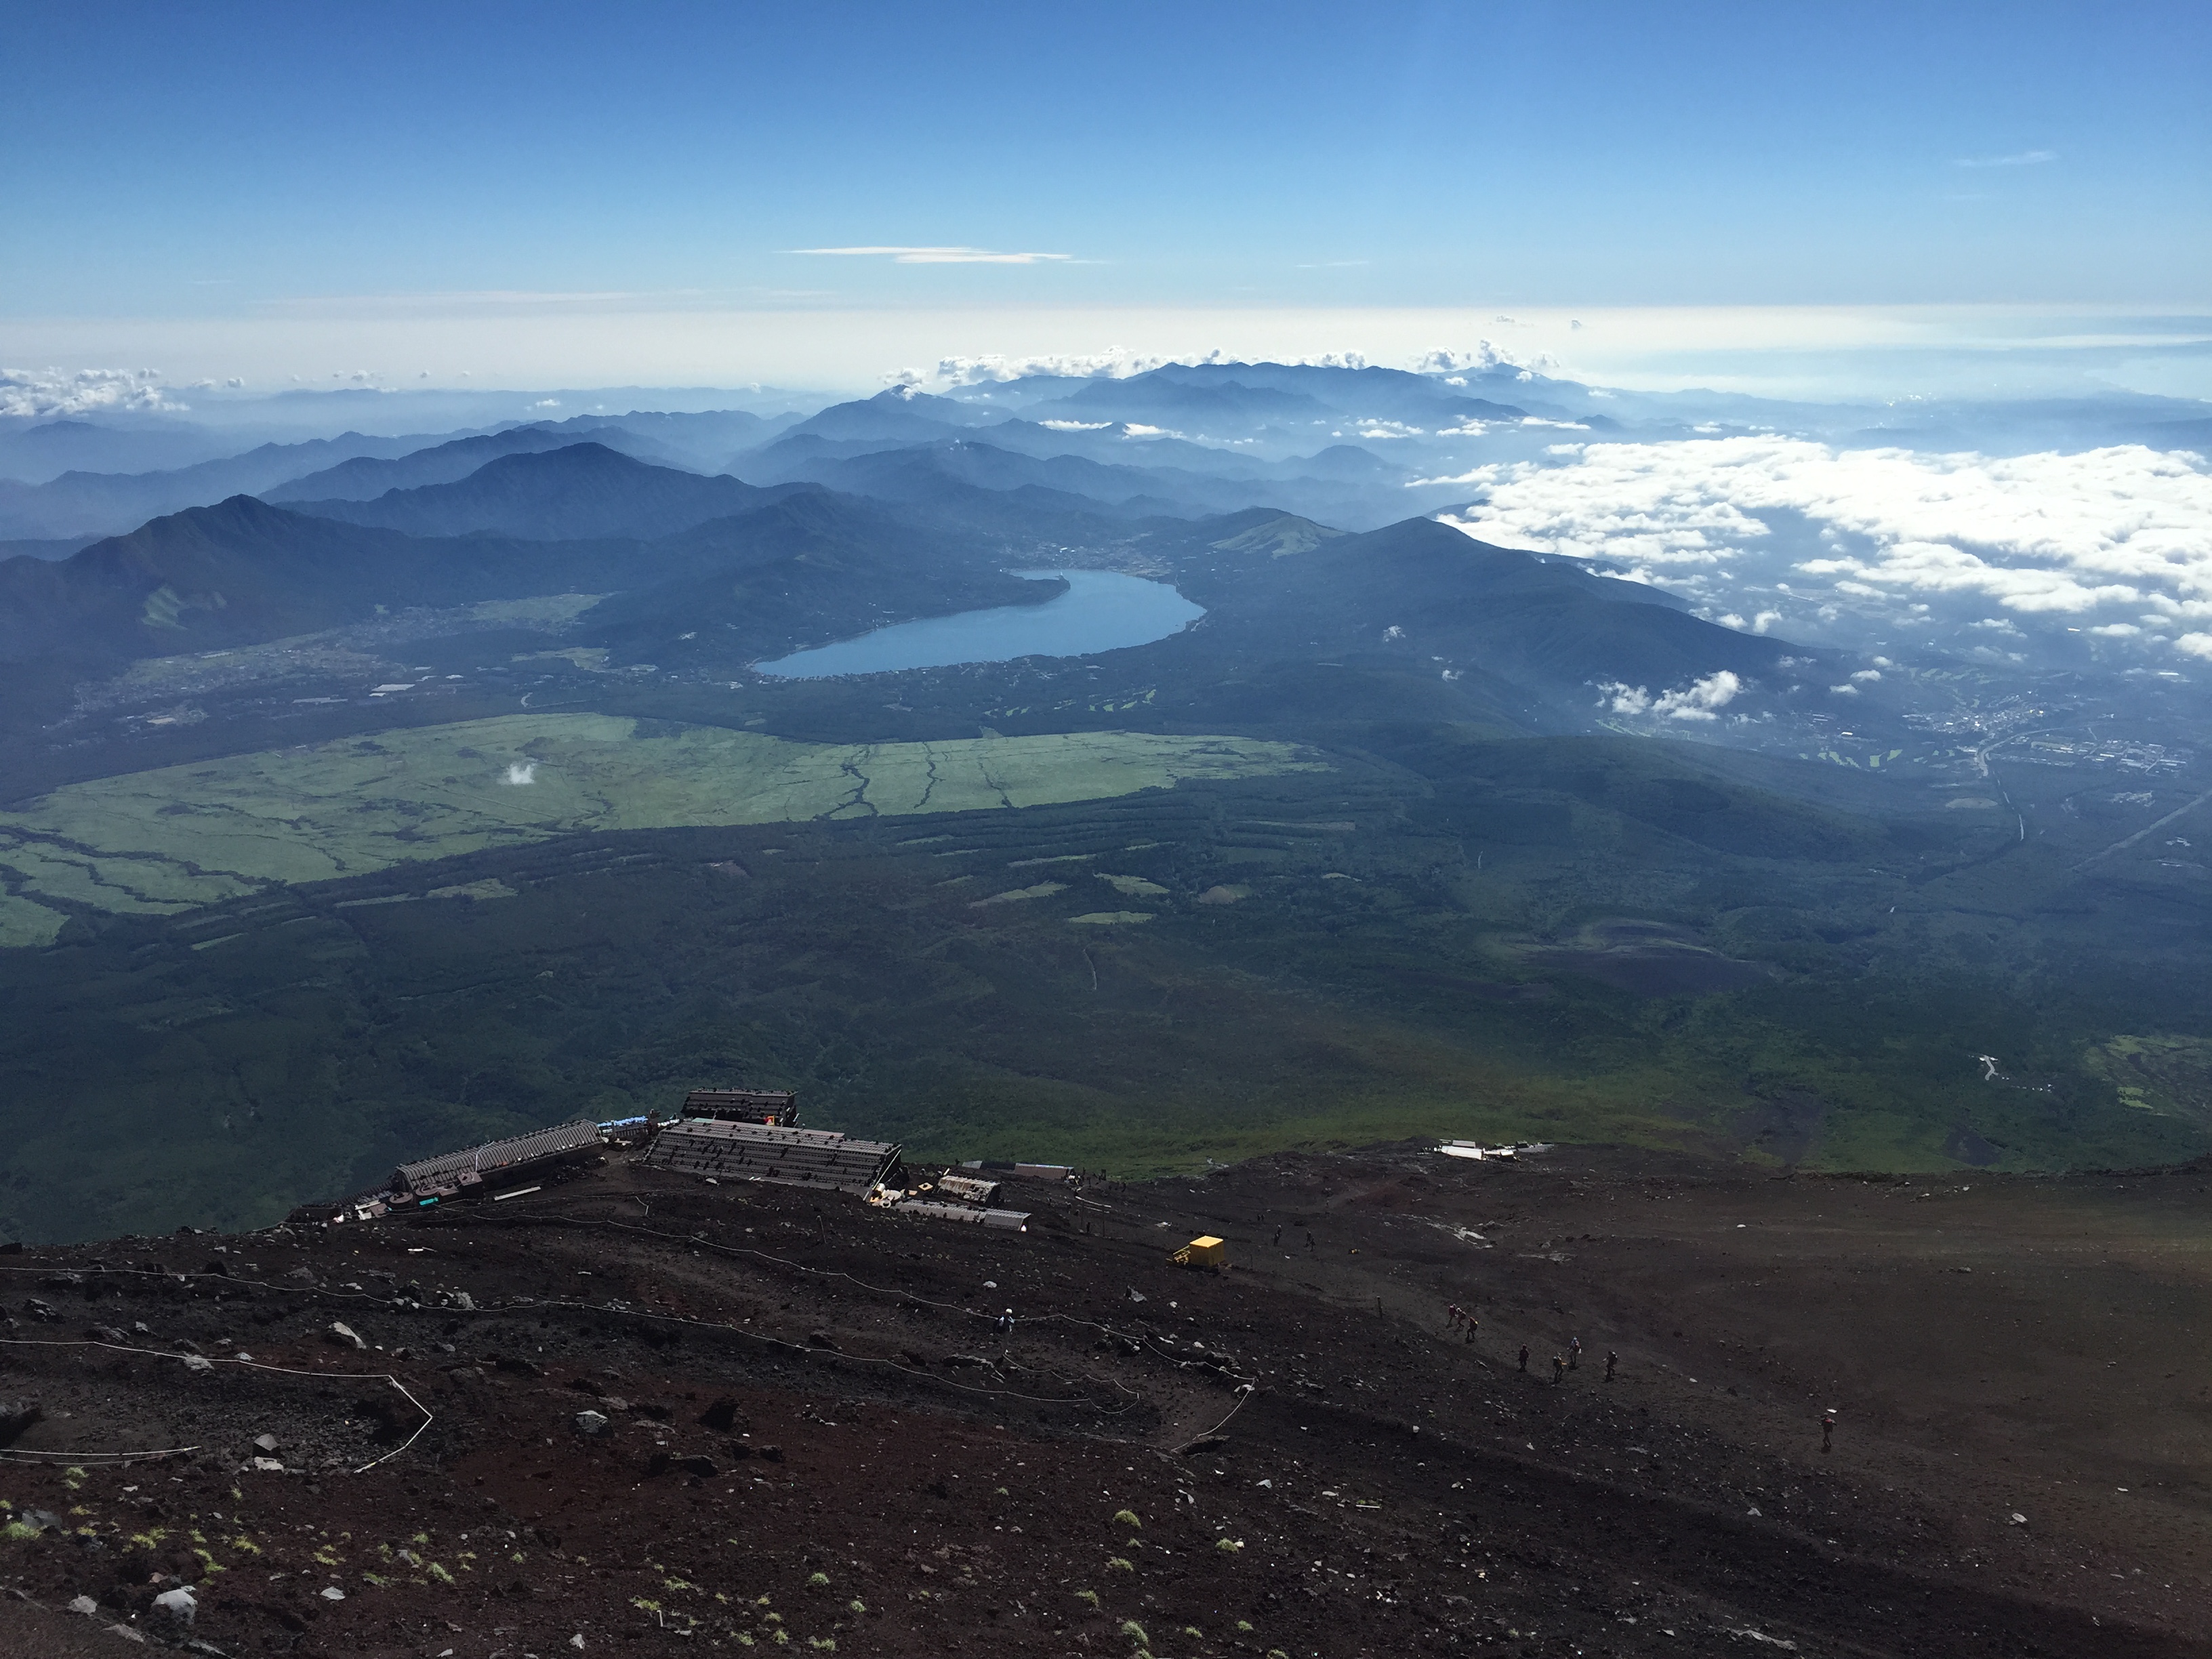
(1559, 1369)
(1524, 1356)
(1310, 1238)
(1828, 1431)
(1472, 1326)
(1278, 1235)
(1612, 1359)
(1452, 1315)
(1574, 1353)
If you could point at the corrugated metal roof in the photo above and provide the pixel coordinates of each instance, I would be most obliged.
(968, 1189)
(496, 1155)
(781, 1105)
(1014, 1220)
(760, 1152)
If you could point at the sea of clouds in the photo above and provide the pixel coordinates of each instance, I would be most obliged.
(1759, 531)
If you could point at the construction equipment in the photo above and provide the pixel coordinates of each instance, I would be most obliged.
(1205, 1251)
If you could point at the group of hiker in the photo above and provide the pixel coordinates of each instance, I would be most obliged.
(1570, 1359)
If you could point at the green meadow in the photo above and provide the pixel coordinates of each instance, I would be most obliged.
(161, 842)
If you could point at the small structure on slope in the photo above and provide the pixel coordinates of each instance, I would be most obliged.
(1204, 1251)
(497, 1163)
(777, 1107)
(762, 1152)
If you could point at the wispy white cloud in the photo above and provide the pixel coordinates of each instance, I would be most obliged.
(940, 256)
(472, 301)
(35, 393)
(2026, 158)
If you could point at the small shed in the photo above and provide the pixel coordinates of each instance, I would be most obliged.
(1204, 1251)
(968, 1189)
(777, 1107)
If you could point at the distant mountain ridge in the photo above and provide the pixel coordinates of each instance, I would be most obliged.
(577, 492)
(368, 476)
(109, 503)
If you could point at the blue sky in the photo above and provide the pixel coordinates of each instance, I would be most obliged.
(304, 177)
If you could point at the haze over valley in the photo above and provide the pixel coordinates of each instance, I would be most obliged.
(1180, 832)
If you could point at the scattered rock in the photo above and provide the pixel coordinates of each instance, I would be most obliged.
(196, 1363)
(519, 1367)
(345, 1336)
(592, 1424)
(268, 1465)
(821, 1338)
(107, 1334)
(302, 1276)
(721, 1417)
(265, 1443)
(17, 1416)
(179, 1604)
(332, 1593)
(83, 1604)
(773, 1454)
(702, 1467)
(38, 1310)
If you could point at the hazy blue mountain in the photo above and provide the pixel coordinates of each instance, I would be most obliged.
(1116, 445)
(1223, 402)
(244, 571)
(33, 452)
(226, 575)
(582, 490)
(1343, 485)
(108, 503)
(703, 442)
(901, 415)
(1550, 626)
(913, 474)
(1347, 463)
(47, 548)
(366, 477)
(803, 570)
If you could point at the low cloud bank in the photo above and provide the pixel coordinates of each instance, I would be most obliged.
(2121, 537)
(37, 394)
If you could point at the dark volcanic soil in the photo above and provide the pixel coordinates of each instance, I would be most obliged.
(821, 1437)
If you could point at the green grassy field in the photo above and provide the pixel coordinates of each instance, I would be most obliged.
(164, 841)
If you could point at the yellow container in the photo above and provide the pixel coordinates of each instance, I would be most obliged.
(1206, 1252)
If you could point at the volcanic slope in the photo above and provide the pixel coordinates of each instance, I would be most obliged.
(818, 1428)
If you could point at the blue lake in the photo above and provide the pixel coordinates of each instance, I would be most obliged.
(1102, 611)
